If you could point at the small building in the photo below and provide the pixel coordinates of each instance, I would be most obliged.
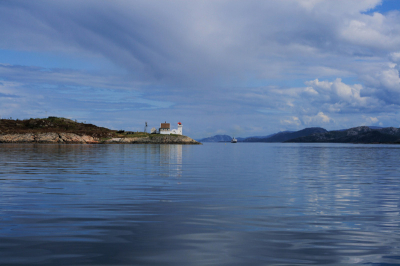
(165, 128)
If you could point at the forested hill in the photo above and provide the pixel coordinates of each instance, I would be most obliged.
(287, 135)
(361, 134)
(354, 135)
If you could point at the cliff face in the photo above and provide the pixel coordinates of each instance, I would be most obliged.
(50, 137)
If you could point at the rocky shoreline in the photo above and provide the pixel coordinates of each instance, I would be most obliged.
(72, 138)
(153, 139)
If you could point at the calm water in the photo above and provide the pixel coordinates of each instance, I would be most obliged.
(214, 204)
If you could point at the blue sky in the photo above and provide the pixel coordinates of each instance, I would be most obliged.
(385, 6)
(241, 68)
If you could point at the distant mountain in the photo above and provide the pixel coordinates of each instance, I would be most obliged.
(371, 127)
(287, 135)
(216, 138)
(354, 135)
(257, 138)
(267, 136)
(361, 134)
(223, 138)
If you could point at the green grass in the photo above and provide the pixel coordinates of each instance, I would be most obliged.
(135, 135)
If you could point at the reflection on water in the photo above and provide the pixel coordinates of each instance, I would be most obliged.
(215, 204)
(171, 157)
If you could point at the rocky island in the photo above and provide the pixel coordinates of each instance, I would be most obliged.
(63, 130)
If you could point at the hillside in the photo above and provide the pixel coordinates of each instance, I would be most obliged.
(216, 138)
(227, 138)
(53, 124)
(257, 138)
(287, 135)
(354, 135)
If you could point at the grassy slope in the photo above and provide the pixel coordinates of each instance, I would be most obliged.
(53, 124)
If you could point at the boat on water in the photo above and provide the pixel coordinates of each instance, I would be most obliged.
(233, 140)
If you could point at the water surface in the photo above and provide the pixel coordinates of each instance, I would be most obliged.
(213, 204)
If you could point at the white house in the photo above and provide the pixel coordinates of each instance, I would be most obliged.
(165, 128)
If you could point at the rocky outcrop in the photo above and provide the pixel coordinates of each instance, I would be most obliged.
(73, 138)
(12, 138)
(154, 139)
(50, 137)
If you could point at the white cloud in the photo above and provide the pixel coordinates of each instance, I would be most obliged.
(309, 4)
(291, 121)
(390, 79)
(197, 42)
(383, 81)
(9, 88)
(324, 85)
(323, 117)
(373, 120)
(317, 120)
(395, 56)
(310, 91)
(337, 92)
(214, 59)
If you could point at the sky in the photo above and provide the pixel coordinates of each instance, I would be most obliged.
(241, 68)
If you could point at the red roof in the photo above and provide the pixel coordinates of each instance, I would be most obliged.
(165, 125)
(179, 123)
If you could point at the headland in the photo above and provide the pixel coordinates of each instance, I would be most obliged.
(63, 130)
